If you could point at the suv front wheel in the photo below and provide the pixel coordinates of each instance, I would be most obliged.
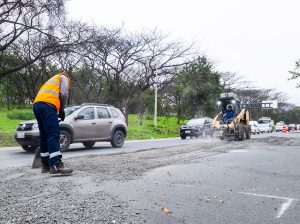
(118, 139)
(64, 140)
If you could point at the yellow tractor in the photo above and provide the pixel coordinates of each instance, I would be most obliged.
(232, 121)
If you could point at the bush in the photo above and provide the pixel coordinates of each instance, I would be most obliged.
(21, 115)
(7, 139)
(149, 117)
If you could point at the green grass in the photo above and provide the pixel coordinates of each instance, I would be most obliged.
(8, 126)
(167, 127)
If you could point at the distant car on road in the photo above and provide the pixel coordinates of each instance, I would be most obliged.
(197, 127)
(279, 125)
(265, 124)
(254, 127)
(292, 127)
(87, 123)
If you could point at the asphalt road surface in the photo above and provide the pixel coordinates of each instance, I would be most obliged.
(255, 184)
(16, 156)
(159, 181)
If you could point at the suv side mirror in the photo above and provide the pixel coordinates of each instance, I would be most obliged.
(79, 117)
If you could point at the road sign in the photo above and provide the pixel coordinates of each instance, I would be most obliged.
(269, 104)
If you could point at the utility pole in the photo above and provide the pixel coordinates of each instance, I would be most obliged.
(155, 100)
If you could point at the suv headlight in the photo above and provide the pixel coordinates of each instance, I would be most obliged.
(35, 127)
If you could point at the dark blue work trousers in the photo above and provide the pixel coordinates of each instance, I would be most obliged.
(47, 119)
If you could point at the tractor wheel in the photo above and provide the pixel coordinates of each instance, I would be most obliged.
(248, 133)
(241, 132)
(225, 134)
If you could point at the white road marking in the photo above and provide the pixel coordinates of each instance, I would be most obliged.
(284, 206)
(268, 196)
(239, 150)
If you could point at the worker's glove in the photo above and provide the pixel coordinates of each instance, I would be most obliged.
(62, 115)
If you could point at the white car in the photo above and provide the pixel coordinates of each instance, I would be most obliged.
(279, 125)
(254, 127)
(292, 127)
(265, 124)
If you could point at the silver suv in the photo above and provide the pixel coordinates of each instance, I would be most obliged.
(87, 123)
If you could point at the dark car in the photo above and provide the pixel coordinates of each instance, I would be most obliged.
(197, 127)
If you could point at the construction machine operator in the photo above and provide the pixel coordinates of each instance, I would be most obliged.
(228, 115)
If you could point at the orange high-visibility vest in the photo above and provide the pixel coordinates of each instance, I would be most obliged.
(49, 92)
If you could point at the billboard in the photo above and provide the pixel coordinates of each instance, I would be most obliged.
(269, 104)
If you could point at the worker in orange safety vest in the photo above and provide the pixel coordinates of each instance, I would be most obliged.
(48, 107)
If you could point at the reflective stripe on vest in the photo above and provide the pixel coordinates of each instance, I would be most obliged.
(49, 92)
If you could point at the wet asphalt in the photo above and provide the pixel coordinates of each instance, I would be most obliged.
(16, 156)
(255, 184)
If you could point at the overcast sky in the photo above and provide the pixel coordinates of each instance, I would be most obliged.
(258, 39)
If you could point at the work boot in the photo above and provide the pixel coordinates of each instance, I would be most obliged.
(60, 169)
(45, 167)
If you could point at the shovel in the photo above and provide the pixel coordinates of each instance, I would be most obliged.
(37, 159)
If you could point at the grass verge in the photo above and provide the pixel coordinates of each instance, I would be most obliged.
(167, 127)
(8, 126)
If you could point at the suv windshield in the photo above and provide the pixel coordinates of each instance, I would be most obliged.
(196, 122)
(69, 110)
(264, 121)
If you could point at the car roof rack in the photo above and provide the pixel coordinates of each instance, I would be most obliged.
(96, 104)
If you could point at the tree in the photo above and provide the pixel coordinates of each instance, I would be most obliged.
(253, 97)
(291, 116)
(19, 21)
(296, 72)
(232, 81)
(128, 64)
(196, 89)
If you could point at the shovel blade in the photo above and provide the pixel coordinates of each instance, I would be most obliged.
(37, 159)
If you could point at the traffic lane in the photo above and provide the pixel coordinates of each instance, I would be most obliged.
(250, 185)
(292, 134)
(16, 156)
